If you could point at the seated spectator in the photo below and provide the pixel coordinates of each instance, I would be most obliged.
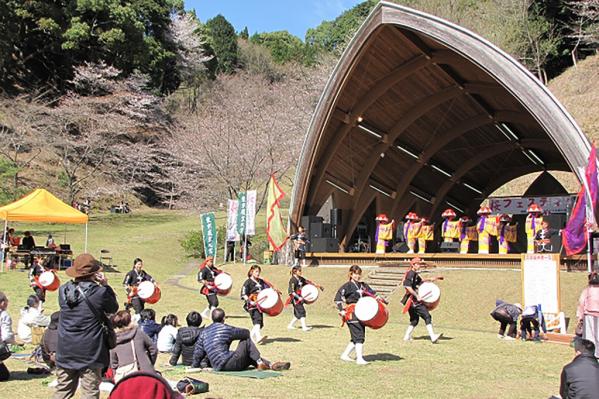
(505, 314)
(50, 341)
(50, 242)
(127, 332)
(580, 378)
(31, 316)
(532, 321)
(168, 334)
(148, 324)
(6, 333)
(215, 340)
(186, 340)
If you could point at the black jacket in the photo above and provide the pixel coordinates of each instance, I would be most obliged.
(185, 344)
(580, 378)
(81, 342)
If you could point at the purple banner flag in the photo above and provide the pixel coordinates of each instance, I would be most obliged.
(575, 235)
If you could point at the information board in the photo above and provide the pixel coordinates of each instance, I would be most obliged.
(540, 281)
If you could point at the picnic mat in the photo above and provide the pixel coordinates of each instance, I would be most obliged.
(257, 374)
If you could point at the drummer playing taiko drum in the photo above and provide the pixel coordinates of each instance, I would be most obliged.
(132, 280)
(347, 296)
(415, 304)
(207, 275)
(249, 293)
(300, 291)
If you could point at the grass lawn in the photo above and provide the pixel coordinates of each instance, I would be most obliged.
(469, 362)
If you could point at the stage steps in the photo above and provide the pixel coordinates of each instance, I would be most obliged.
(388, 277)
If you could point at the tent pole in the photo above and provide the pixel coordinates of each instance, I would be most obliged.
(3, 242)
(85, 247)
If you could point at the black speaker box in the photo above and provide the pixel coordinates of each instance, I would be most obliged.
(336, 217)
(452, 247)
(320, 230)
(320, 244)
(306, 221)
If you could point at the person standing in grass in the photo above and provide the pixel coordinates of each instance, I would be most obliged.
(249, 293)
(507, 314)
(206, 276)
(348, 294)
(296, 282)
(132, 280)
(587, 311)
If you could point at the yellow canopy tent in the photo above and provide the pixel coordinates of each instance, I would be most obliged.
(41, 206)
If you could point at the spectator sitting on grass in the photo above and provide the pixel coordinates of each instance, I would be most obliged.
(31, 316)
(168, 334)
(148, 324)
(186, 340)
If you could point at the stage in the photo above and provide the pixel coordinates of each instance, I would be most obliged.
(509, 261)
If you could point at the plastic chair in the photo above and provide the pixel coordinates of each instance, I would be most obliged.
(105, 257)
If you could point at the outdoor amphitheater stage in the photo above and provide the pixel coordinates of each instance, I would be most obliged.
(450, 260)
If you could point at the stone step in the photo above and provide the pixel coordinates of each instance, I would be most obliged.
(383, 276)
(385, 283)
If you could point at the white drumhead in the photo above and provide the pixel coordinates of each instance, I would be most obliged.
(46, 279)
(223, 281)
(429, 292)
(145, 289)
(366, 308)
(268, 298)
(309, 293)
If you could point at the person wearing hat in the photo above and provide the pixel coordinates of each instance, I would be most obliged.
(426, 233)
(534, 221)
(506, 233)
(450, 227)
(506, 314)
(413, 302)
(384, 233)
(466, 233)
(486, 226)
(206, 276)
(411, 229)
(82, 351)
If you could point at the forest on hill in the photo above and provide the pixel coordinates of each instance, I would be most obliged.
(140, 100)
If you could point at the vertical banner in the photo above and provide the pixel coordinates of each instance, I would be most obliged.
(251, 213)
(232, 221)
(209, 233)
(241, 213)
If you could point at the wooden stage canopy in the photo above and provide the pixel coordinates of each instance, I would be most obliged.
(421, 114)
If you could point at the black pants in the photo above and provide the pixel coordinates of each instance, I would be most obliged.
(357, 330)
(244, 356)
(257, 317)
(504, 320)
(212, 300)
(528, 325)
(40, 293)
(230, 252)
(4, 373)
(299, 311)
(138, 304)
(418, 310)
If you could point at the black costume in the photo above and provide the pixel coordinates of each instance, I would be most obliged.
(208, 274)
(253, 287)
(300, 240)
(417, 309)
(230, 256)
(133, 279)
(34, 273)
(295, 288)
(349, 293)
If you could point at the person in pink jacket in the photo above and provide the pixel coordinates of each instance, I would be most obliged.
(588, 311)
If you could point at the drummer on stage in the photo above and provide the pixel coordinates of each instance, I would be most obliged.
(136, 276)
(206, 276)
(349, 293)
(249, 293)
(413, 302)
(296, 282)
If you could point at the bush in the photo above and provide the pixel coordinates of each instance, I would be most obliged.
(193, 242)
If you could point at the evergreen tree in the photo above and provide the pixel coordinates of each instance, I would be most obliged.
(244, 34)
(223, 41)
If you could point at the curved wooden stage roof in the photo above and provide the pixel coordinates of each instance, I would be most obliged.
(422, 114)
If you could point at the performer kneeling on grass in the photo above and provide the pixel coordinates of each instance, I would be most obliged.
(296, 282)
(132, 280)
(249, 293)
(349, 293)
(413, 302)
(206, 276)
(506, 313)
(215, 340)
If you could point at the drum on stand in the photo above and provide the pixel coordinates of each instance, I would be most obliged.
(49, 281)
(269, 302)
(223, 282)
(148, 292)
(309, 293)
(430, 294)
(371, 313)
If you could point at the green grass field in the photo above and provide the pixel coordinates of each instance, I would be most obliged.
(469, 362)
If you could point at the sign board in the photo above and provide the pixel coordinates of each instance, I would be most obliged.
(209, 233)
(540, 281)
(519, 205)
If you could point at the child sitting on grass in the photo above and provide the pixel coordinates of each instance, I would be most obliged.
(168, 334)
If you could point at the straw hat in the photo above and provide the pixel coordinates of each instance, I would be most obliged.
(484, 210)
(84, 265)
(505, 218)
(448, 213)
(534, 208)
(381, 217)
(465, 219)
(412, 216)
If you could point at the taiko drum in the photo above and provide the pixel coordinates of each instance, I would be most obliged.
(269, 301)
(49, 281)
(223, 282)
(371, 312)
(149, 292)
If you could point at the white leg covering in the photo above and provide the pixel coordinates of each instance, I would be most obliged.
(348, 350)
(304, 326)
(291, 325)
(409, 331)
(255, 332)
(360, 354)
(431, 333)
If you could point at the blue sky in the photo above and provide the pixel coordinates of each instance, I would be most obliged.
(294, 16)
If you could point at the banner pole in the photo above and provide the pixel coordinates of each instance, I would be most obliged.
(4, 243)
(590, 216)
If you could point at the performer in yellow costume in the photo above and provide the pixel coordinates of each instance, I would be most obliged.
(427, 233)
(467, 233)
(450, 228)
(411, 229)
(506, 233)
(384, 232)
(486, 227)
(533, 226)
